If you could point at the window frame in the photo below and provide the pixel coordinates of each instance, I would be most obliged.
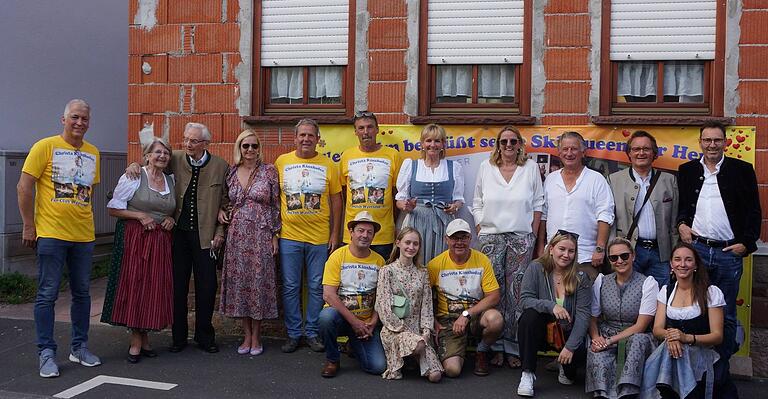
(661, 113)
(263, 111)
(460, 113)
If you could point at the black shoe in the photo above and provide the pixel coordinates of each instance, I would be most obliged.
(315, 344)
(133, 358)
(290, 345)
(176, 348)
(210, 348)
(148, 353)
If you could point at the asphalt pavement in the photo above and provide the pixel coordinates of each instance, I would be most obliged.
(197, 374)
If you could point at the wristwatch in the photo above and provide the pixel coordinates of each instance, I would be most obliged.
(599, 249)
(466, 314)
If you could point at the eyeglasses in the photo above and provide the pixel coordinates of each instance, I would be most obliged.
(460, 237)
(623, 256)
(638, 150)
(567, 234)
(192, 141)
(161, 152)
(246, 146)
(505, 142)
(709, 140)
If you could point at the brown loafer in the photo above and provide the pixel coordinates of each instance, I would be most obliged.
(481, 364)
(330, 369)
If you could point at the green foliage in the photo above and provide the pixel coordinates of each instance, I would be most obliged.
(17, 288)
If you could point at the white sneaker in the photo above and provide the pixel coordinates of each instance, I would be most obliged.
(526, 384)
(561, 378)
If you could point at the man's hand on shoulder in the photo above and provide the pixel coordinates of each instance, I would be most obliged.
(133, 171)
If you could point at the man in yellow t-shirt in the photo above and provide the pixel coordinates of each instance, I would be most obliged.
(369, 174)
(466, 292)
(349, 289)
(55, 193)
(310, 209)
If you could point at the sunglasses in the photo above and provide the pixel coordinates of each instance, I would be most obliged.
(363, 114)
(246, 146)
(623, 256)
(505, 142)
(567, 233)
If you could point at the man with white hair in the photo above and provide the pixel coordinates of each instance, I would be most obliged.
(200, 194)
(58, 224)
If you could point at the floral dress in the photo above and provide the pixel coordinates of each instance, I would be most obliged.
(248, 282)
(401, 336)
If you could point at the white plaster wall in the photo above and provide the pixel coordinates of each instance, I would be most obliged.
(52, 51)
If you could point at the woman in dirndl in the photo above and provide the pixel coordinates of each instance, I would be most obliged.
(431, 191)
(623, 307)
(140, 287)
(689, 320)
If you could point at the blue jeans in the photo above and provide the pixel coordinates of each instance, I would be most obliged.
(369, 353)
(293, 256)
(647, 262)
(52, 254)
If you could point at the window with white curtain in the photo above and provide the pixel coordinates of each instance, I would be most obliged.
(682, 82)
(495, 84)
(324, 85)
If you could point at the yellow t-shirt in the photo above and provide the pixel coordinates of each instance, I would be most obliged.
(356, 279)
(305, 189)
(65, 180)
(370, 178)
(459, 287)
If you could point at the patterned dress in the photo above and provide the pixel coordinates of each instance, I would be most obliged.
(248, 283)
(401, 336)
(510, 254)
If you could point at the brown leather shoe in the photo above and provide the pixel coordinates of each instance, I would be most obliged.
(481, 364)
(330, 369)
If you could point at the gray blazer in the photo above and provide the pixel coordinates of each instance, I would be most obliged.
(535, 294)
(664, 200)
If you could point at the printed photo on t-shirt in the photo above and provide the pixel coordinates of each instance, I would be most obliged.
(369, 180)
(72, 174)
(461, 288)
(358, 287)
(303, 185)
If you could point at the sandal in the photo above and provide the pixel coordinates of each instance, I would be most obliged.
(513, 362)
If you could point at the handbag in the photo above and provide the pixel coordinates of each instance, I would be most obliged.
(401, 306)
(555, 333)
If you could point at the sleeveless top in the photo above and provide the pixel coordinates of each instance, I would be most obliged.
(151, 202)
(697, 326)
(429, 192)
(620, 305)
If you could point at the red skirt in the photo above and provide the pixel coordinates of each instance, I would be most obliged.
(144, 298)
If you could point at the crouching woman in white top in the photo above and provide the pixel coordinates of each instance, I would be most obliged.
(623, 306)
(689, 318)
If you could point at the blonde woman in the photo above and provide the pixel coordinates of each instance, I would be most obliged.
(431, 191)
(248, 282)
(507, 211)
(411, 335)
(553, 290)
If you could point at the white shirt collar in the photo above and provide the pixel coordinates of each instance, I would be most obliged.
(717, 167)
(201, 161)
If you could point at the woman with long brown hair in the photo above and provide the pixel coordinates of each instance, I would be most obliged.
(689, 320)
(553, 290)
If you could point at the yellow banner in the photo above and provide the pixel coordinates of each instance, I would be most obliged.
(676, 144)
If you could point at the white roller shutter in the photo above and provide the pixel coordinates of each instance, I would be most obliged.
(662, 30)
(304, 32)
(475, 32)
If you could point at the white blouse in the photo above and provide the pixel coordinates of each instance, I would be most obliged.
(714, 300)
(126, 187)
(429, 175)
(647, 303)
(501, 207)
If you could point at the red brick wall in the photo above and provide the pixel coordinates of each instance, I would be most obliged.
(188, 47)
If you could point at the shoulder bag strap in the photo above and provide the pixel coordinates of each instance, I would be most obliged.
(654, 179)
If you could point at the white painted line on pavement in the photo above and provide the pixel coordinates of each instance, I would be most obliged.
(106, 379)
